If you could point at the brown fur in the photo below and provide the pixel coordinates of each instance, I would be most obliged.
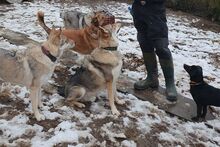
(86, 39)
(102, 18)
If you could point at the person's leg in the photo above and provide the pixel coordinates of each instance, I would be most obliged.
(166, 62)
(147, 48)
(150, 62)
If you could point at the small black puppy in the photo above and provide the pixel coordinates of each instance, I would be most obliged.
(202, 93)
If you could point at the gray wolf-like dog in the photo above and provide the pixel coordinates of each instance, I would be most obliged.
(99, 71)
(34, 67)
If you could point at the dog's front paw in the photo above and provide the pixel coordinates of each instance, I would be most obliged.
(39, 116)
(74, 103)
(115, 112)
(120, 102)
(78, 104)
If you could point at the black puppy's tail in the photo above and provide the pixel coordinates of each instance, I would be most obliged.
(61, 91)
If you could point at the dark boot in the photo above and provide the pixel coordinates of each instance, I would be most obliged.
(168, 71)
(152, 73)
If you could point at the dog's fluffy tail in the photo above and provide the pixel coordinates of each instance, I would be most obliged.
(40, 17)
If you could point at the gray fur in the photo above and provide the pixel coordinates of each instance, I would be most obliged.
(32, 68)
(73, 19)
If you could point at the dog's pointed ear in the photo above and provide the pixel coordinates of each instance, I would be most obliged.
(60, 31)
(53, 28)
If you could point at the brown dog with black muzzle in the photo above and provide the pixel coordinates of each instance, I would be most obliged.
(88, 38)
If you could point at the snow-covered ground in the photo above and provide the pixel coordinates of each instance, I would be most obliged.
(141, 123)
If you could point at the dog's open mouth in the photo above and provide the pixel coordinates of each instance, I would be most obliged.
(48, 54)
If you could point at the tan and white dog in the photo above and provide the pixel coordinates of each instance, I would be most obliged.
(99, 71)
(34, 67)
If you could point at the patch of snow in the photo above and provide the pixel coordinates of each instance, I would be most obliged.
(188, 44)
(128, 143)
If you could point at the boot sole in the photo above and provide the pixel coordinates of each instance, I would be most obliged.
(171, 98)
(149, 87)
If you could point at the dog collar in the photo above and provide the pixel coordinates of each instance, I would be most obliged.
(193, 83)
(111, 48)
(48, 54)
